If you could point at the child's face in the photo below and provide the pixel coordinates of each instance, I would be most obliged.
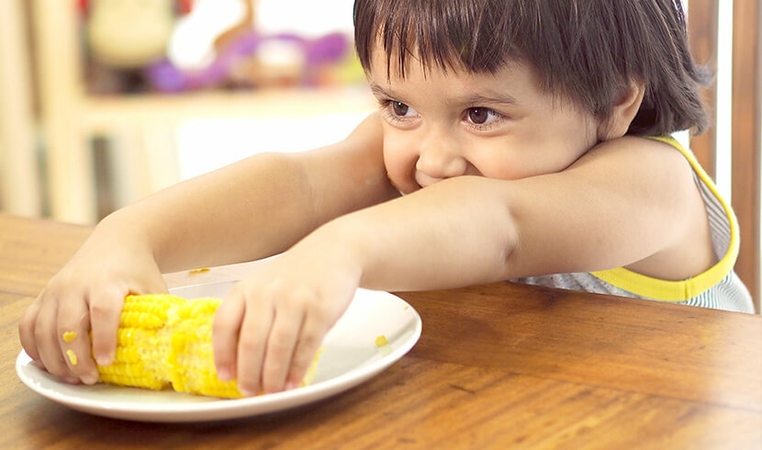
(440, 124)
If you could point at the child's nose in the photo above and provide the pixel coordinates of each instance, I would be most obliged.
(441, 159)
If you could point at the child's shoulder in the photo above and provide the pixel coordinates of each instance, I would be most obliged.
(642, 153)
(643, 143)
(639, 165)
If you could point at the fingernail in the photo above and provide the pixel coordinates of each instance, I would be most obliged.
(290, 386)
(224, 374)
(89, 379)
(246, 392)
(104, 360)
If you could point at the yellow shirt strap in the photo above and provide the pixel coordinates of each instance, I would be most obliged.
(666, 290)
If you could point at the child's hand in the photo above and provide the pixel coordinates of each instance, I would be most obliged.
(86, 296)
(267, 331)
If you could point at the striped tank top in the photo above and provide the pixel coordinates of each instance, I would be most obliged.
(719, 287)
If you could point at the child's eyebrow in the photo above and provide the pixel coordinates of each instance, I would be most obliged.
(488, 97)
(378, 91)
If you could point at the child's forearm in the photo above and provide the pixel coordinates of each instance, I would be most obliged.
(250, 209)
(258, 206)
(455, 233)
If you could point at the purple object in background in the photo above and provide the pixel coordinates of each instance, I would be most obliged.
(166, 77)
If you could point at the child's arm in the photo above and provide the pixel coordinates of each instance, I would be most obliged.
(630, 202)
(263, 204)
(248, 210)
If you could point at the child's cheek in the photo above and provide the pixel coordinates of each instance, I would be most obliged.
(400, 166)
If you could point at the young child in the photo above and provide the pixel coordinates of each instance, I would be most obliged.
(515, 139)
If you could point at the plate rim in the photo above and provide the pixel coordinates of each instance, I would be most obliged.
(221, 409)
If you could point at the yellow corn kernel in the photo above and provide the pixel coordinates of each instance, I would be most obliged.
(312, 370)
(166, 341)
(72, 357)
(69, 336)
(381, 341)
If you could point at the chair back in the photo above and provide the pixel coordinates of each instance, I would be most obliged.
(733, 143)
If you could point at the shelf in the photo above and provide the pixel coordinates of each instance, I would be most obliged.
(102, 113)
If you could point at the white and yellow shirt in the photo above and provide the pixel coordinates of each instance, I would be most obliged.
(718, 288)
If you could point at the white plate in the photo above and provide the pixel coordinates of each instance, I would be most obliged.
(350, 357)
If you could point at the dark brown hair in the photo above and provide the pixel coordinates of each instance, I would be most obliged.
(585, 50)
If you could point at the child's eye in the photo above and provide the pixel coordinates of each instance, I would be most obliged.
(397, 113)
(401, 110)
(482, 116)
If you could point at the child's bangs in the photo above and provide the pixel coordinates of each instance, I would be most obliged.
(435, 34)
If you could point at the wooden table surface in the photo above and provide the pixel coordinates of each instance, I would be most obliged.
(497, 366)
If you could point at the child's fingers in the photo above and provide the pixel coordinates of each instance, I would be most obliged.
(255, 328)
(73, 339)
(27, 327)
(280, 348)
(105, 308)
(310, 340)
(225, 328)
(46, 340)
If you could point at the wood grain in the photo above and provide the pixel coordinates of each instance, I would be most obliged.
(497, 366)
(32, 251)
(608, 341)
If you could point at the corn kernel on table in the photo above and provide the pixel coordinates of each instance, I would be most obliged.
(497, 366)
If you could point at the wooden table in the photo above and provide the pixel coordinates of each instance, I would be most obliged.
(497, 366)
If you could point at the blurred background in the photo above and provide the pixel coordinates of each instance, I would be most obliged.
(106, 101)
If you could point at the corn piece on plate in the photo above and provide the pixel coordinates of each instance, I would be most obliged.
(351, 355)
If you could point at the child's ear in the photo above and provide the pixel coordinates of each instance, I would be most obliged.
(623, 113)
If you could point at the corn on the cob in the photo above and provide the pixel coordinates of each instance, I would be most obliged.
(165, 340)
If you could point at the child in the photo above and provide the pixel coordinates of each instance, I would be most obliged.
(515, 139)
